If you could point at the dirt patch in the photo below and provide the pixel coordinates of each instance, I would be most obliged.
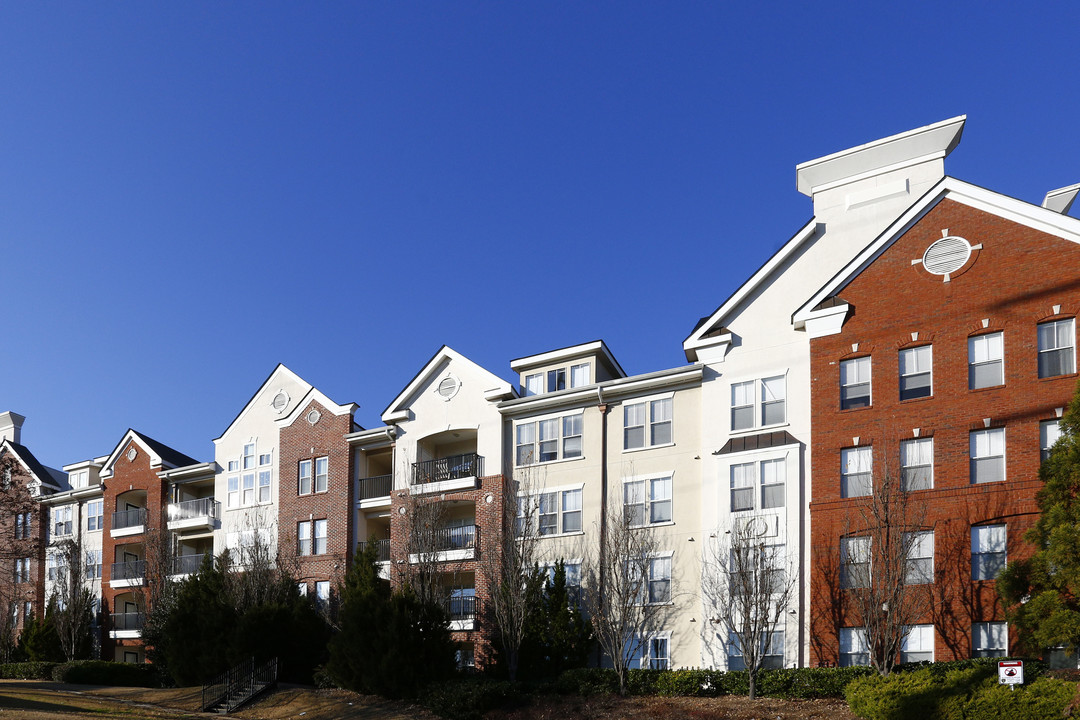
(310, 704)
(721, 708)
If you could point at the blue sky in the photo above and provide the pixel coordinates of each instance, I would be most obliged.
(191, 193)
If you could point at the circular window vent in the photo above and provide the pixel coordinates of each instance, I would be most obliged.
(448, 387)
(947, 255)
(314, 416)
(280, 401)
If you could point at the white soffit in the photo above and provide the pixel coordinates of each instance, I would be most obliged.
(908, 148)
(1061, 200)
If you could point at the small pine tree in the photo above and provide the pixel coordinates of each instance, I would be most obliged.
(39, 641)
(557, 636)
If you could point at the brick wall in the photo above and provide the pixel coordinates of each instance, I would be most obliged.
(1012, 283)
(16, 499)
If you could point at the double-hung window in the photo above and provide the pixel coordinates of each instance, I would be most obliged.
(321, 473)
(987, 455)
(534, 384)
(855, 383)
(305, 477)
(233, 494)
(556, 512)
(62, 521)
(916, 371)
(22, 569)
(756, 403)
(659, 581)
(986, 363)
(556, 380)
(918, 644)
(854, 650)
(855, 562)
(743, 485)
(1049, 432)
(989, 639)
(549, 439)
(744, 482)
(95, 515)
(856, 471)
(249, 456)
(579, 375)
(647, 423)
(647, 501)
(919, 568)
(1057, 347)
(22, 526)
(320, 537)
(303, 538)
(322, 594)
(988, 551)
(264, 478)
(657, 657)
(249, 488)
(771, 651)
(93, 564)
(917, 464)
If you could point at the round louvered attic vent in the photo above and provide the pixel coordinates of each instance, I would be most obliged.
(280, 400)
(947, 255)
(448, 387)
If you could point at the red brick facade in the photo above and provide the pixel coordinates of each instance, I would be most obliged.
(307, 441)
(18, 547)
(1009, 285)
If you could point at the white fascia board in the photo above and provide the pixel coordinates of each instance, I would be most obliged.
(376, 437)
(397, 412)
(84, 465)
(600, 393)
(652, 382)
(1003, 206)
(190, 472)
(930, 142)
(695, 341)
(320, 397)
(155, 459)
(279, 369)
(1061, 200)
(70, 495)
(548, 401)
(574, 351)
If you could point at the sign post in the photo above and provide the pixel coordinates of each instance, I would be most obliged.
(1011, 673)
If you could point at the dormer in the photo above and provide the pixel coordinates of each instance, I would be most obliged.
(87, 473)
(571, 367)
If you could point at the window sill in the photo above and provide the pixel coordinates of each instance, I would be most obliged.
(646, 526)
(904, 401)
(988, 387)
(857, 409)
(648, 447)
(549, 463)
(560, 535)
(759, 429)
(1058, 377)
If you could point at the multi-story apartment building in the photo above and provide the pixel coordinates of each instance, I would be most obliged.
(915, 322)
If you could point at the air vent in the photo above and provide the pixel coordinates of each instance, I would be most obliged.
(280, 401)
(448, 387)
(947, 255)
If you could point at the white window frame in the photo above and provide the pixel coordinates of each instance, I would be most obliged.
(919, 565)
(657, 652)
(22, 570)
(981, 447)
(918, 645)
(854, 649)
(305, 473)
(857, 366)
(989, 639)
(857, 471)
(247, 488)
(656, 586)
(62, 526)
(576, 371)
(985, 351)
(247, 456)
(534, 384)
(319, 540)
(322, 474)
(95, 515)
(322, 594)
(913, 360)
(755, 488)
(855, 573)
(569, 445)
(93, 564)
(753, 398)
(652, 493)
(1049, 432)
(989, 549)
(649, 424)
(914, 463)
(563, 510)
(556, 377)
(232, 491)
(303, 538)
(773, 661)
(1065, 327)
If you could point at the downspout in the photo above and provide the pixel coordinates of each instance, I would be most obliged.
(601, 559)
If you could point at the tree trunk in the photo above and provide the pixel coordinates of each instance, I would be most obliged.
(753, 684)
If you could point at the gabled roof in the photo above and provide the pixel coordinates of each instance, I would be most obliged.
(714, 322)
(1018, 211)
(161, 455)
(45, 475)
(498, 388)
(280, 369)
(596, 347)
(318, 396)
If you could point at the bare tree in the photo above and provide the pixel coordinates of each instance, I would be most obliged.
(749, 584)
(20, 542)
(509, 563)
(426, 537)
(71, 601)
(623, 596)
(251, 569)
(881, 570)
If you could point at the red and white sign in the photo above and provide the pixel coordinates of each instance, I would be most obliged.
(1010, 672)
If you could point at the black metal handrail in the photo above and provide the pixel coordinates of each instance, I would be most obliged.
(456, 538)
(127, 621)
(453, 467)
(382, 549)
(187, 564)
(378, 486)
(128, 518)
(128, 570)
(462, 607)
(237, 685)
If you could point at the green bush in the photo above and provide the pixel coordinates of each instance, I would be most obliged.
(689, 683)
(101, 672)
(1044, 698)
(809, 683)
(470, 698)
(587, 681)
(27, 671)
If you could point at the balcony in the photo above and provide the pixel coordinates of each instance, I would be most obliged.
(128, 574)
(184, 565)
(463, 611)
(128, 522)
(193, 514)
(382, 550)
(456, 472)
(375, 491)
(126, 625)
(449, 544)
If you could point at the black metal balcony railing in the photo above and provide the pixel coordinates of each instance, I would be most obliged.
(382, 550)
(378, 486)
(462, 607)
(187, 564)
(128, 518)
(127, 621)
(456, 538)
(188, 509)
(134, 570)
(448, 468)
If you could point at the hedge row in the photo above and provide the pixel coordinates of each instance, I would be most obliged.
(84, 672)
(968, 689)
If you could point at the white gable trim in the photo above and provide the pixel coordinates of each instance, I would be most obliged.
(47, 482)
(130, 435)
(1018, 211)
(697, 340)
(274, 376)
(398, 410)
(318, 396)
